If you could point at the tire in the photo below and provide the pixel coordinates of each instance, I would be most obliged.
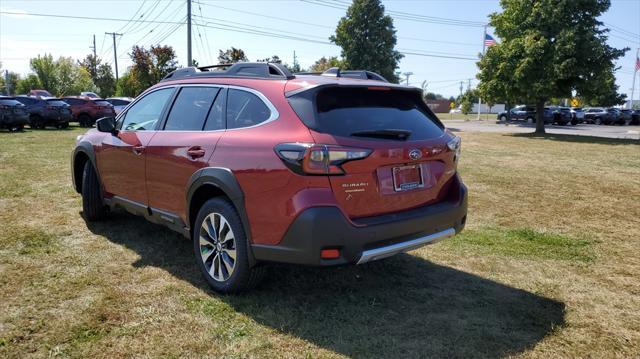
(531, 120)
(597, 121)
(503, 118)
(92, 205)
(84, 120)
(36, 121)
(574, 122)
(213, 256)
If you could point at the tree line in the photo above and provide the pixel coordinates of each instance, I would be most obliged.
(547, 49)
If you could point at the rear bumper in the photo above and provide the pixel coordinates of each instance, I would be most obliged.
(366, 239)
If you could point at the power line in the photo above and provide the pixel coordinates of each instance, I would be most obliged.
(404, 15)
(132, 17)
(137, 27)
(83, 17)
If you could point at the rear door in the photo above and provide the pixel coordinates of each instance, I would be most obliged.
(183, 145)
(409, 164)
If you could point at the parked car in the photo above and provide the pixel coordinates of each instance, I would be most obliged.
(626, 115)
(308, 169)
(616, 116)
(50, 112)
(635, 117)
(561, 115)
(86, 110)
(13, 115)
(597, 115)
(119, 103)
(89, 94)
(577, 115)
(44, 94)
(527, 113)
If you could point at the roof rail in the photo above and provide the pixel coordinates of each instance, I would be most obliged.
(354, 74)
(263, 70)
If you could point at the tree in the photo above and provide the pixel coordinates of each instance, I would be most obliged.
(433, 96)
(101, 75)
(31, 82)
(275, 59)
(45, 68)
(231, 56)
(324, 64)
(71, 78)
(603, 91)
(548, 48)
(149, 67)
(368, 39)
(466, 106)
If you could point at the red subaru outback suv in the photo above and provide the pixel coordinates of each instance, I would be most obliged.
(87, 110)
(255, 165)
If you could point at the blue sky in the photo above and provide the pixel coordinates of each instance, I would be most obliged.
(23, 37)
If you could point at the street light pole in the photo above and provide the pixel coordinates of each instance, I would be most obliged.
(189, 58)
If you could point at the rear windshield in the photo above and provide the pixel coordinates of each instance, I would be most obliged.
(102, 103)
(363, 112)
(57, 103)
(9, 102)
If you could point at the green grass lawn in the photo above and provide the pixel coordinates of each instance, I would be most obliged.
(547, 267)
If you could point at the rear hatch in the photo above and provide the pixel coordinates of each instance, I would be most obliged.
(409, 162)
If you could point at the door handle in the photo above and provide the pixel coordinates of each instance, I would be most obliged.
(195, 152)
(138, 150)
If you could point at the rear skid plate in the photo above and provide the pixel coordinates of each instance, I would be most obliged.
(388, 251)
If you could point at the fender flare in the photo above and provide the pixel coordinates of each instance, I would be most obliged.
(87, 149)
(224, 179)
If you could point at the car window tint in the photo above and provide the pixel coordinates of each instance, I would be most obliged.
(216, 119)
(190, 109)
(144, 114)
(245, 109)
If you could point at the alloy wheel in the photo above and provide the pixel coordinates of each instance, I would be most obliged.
(217, 247)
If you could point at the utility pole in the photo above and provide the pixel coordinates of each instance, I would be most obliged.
(484, 46)
(635, 72)
(461, 88)
(468, 84)
(407, 74)
(115, 52)
(95, 57)
(189, 59)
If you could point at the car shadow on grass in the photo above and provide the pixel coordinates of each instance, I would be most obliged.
(402, 306)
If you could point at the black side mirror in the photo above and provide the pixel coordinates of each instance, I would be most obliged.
(107, 124)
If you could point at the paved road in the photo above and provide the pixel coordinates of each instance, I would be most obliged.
(625, 132)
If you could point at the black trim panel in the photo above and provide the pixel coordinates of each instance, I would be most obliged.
(320, 228)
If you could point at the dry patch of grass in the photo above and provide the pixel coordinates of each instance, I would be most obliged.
(547, 267)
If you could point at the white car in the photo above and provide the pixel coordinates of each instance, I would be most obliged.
(89, 94)
(119, 103)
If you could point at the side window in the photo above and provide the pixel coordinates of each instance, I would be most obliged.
(216, 118)
(144, 114)
(190, 109)
(245, 109)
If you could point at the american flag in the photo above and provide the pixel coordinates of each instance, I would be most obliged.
(489, 41)
(637, 64)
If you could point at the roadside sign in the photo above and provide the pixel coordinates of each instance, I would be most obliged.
(575, 102)
(452, 104)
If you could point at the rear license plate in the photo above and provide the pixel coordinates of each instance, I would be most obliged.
(407, 178)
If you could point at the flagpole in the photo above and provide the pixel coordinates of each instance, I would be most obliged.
(635, 73)
(484, 45)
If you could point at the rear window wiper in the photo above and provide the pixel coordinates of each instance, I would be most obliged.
(389, 134)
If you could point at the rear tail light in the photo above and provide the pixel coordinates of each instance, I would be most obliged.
(455, 145)
(317, 159)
